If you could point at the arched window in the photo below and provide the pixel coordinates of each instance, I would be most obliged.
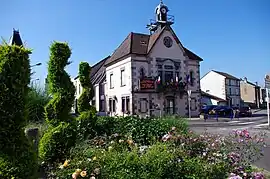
(191, 78)
(142, 73)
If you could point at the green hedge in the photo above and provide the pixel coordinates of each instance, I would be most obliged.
(17, 158)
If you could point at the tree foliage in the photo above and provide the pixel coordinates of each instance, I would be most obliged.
(17, 158)
(60, 85)
(88, 92)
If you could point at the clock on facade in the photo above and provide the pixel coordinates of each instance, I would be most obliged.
(167, 41)
(163, 10)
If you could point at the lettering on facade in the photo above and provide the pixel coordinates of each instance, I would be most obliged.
(147, 84)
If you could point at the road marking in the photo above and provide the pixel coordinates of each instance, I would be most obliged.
(245, 123)
(234, 121)
(262, 125)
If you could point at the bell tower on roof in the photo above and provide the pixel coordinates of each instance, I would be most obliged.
(162, 18)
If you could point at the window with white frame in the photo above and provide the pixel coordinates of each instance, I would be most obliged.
(125, 104)
(111, 81)
(112, 105)
(122, 76)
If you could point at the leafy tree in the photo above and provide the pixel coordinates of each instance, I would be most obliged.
(17, 157)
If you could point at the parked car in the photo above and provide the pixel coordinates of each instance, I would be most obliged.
(245, 111)
(207, 108)
(223, 110)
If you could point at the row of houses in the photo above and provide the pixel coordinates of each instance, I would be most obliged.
(219, 88)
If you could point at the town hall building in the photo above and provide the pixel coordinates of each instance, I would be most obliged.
(148, 74)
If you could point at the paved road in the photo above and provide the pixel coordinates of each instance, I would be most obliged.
(225, 126)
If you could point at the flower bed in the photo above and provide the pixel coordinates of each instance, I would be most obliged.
(175, 155)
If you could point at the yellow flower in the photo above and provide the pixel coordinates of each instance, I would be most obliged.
(110, 148)
(83, 173)
(95, 158)
(130, 142)
(78, 171)
(66, 163)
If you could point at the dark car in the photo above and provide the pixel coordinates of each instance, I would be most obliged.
(245, 111)
(223, 110)
(207, 108)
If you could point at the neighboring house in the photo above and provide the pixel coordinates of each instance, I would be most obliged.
(208, 99)
(140, 63)
(222, 85)
(250, 93)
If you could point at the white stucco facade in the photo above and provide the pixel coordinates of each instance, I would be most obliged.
(214, 84)
(223, 87)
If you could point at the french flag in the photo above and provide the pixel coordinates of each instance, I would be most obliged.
(176, 79)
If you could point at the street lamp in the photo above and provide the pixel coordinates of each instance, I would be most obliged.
(38, 64)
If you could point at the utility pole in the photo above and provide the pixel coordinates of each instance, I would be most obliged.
(267, 103)
(267, 87)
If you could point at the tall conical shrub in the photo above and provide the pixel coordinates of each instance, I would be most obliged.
(17, 158)
(55, 144)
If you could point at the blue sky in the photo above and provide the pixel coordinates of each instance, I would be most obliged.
(230, 35)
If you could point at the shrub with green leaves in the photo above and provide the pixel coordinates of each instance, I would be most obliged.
(143, 131)
(88, 92)
(17, 158)
(60, 85)
(56, 143)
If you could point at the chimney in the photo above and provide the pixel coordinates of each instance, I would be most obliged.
(245, 79)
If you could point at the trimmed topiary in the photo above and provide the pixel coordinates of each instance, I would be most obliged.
(88, 92)
(17, 158)
(60, 85)
(56, 143)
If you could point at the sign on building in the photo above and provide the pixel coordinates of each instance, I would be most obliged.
(147, 84)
